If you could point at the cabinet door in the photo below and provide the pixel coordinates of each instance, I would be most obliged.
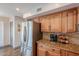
(41, 51)
(52, 23)
(71, 21)
(64, 22)
(56, 23)
(45, 24)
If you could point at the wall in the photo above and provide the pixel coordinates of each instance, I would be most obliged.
(7, 33)
(17, 34)
(6, 23)
(1, 34)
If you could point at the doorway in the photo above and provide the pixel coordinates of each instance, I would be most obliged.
(11, 34)
(1, 34)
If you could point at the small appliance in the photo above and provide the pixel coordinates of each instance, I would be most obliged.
(53, 37)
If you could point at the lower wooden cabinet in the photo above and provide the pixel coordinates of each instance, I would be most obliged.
(44, 51)
(47, 51)
(41, 52)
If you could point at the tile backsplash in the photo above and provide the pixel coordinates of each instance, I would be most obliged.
(73, 38)
(46, 35)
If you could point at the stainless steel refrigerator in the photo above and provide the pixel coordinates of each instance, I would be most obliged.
(30, 34)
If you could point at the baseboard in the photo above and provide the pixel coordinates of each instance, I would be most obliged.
(5, 46)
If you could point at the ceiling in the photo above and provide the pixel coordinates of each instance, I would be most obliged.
(26, 9)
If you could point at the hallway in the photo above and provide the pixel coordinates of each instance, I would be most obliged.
(8, 51)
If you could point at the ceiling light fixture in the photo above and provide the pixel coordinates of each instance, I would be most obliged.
(17, 9)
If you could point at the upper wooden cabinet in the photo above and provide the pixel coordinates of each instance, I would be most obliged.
(64, 22)
(45, 24)
(72, 20)
(56, 22)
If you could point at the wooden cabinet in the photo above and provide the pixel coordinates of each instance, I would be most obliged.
(52, 24)
(44, 51)
(64, 22)
(47, 51)
(56, 22)
(41, 51)
(45, 24)
(71, 20)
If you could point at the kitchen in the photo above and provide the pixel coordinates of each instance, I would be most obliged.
(58, 32)
(42, 29)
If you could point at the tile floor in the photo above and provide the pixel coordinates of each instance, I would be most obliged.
(8, 51)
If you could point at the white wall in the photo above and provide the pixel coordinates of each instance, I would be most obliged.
(6, 32)
(1, 34)
(16, 33)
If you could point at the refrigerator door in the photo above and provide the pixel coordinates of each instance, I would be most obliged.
(26, 42)
(30, 34)
(29, 41)
(28, 51)
(24, 37)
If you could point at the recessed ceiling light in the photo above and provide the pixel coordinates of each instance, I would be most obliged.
(17, 9)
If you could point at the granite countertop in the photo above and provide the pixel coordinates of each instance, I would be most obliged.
(70, 47)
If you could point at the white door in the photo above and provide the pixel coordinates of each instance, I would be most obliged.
(11, 34)
(1, 34)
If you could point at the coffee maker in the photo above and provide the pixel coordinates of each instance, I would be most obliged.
(53, 37)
